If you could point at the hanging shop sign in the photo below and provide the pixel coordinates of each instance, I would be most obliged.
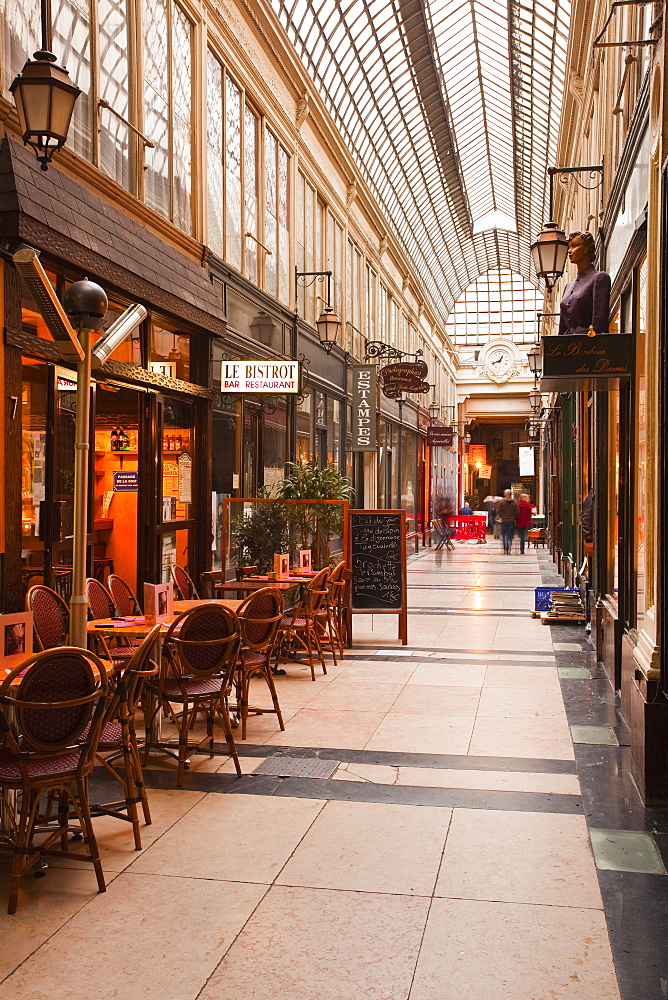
(527, 461)
(477, 454)
(259, 376)
(440, 437)
(581, 363)
(485, 472)
(405, 376)
(364, 407)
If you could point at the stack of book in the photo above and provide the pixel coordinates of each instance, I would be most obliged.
(564, 606)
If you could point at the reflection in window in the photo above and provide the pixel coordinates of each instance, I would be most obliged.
(233, 174)
(251, 221)
(304, 428)
(276, 218)
(334, 431)
(214, 152)
(72, 46)
(170, 352)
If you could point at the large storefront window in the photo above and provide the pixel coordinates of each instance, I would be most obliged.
(304, 428)
(170, 351)
(641, 443)
(177, 484)
(334, 430)
(408, 497)
(275, 441)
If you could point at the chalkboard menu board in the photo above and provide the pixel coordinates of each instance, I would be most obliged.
(377, 541)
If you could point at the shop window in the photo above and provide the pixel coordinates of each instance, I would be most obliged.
(129, 351)
(233, 125)
(408, 495)
(334, 432)
(641, 443)
(275, 441)
(168, 110)
(251, 219)
(304, 428)
(169, 352)
(214, 153)
(177, 461)
(114, 87)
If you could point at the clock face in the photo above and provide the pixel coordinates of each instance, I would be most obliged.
(499, 361)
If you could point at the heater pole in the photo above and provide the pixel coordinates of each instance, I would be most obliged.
(79, 600)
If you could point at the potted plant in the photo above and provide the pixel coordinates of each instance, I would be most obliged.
(315, 523)
(259, 532)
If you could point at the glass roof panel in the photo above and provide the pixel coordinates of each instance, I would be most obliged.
(451, 109)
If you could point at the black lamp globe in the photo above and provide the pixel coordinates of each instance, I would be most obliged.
(86, 304)
(549, 253)
(45, 98)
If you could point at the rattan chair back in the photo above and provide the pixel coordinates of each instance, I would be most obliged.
(259, 617)
(185, 588)
(50, 616)
(203, 641)
(123, 597)
(100, 602)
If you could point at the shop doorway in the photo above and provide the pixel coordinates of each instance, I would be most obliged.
(115, 485)
(176, 518)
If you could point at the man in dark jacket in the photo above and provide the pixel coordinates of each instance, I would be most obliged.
(507, 511)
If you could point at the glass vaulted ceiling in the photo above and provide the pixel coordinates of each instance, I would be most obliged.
(451, 110)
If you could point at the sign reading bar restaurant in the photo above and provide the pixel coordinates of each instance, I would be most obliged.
(440, 437)
(364, 407)
(405, 376)
(259, 376)
(577, 363)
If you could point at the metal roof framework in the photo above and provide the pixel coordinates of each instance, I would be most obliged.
(451, 109)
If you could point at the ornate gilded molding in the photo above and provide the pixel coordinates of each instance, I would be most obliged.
(29, 343)
(137, 374)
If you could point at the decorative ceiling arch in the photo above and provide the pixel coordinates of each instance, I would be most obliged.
(451, 109)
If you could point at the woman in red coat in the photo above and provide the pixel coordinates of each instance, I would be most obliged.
(523, 522)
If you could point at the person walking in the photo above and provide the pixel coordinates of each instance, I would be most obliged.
(523, 522)
(507, 511)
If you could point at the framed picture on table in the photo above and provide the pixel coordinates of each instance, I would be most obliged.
(282, 565)
(305, 559)
(15, 635)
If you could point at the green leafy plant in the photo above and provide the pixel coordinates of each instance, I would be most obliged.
(472, 499)
(259, 532)
(315, 523)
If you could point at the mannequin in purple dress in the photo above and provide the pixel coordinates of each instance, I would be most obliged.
(585, 305)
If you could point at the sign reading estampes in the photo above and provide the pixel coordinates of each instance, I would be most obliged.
(364, 407)
(259, 376)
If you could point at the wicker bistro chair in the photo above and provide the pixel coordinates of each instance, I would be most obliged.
(199, 657)
(298, 626)
(58, 709)
(125, 601)
(101, 605)
(259, 617)
(327, 619)
(185, 588)
(118, 740)
(50, 615)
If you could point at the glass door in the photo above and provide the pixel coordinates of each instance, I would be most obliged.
(176, 513)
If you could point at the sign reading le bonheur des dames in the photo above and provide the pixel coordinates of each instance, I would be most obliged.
(259, 376)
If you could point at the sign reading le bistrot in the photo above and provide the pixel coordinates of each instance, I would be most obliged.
(259, 376)
(575, 363)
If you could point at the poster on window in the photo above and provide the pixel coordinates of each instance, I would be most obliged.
(185, 464)
(527, 462)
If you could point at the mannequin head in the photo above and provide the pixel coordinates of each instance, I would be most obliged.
(581, 250)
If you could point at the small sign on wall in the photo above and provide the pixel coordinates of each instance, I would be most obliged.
(364, 407)
(125, 482)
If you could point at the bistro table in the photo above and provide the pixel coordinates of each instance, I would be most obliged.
(252, 583)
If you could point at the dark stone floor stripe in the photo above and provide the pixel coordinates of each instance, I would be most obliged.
(392, 758)
(501, 612)
(366, 791)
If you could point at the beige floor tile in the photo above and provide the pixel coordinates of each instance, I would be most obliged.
(377, 672)
(316, 944)
(248, 838)
(427, 699)
(371, 847)
(466, 675)
(311, 728)
(45, 904)
(416, 734)
(114, 836)
(522, 703)
(343, 696)
(542, 738)
(380, 774)
(508, 951)
(519, 857)
(502, 675)
(130, 942)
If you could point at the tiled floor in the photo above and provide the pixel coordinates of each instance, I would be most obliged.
(447, 858)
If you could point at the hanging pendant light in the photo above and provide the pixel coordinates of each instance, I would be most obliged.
(549, 253)
(45, 98)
